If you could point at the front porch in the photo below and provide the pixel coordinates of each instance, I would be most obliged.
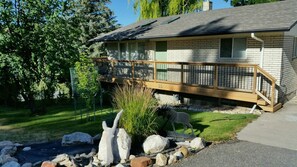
(242, 82)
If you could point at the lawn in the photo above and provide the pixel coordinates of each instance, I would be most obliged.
(17, 124)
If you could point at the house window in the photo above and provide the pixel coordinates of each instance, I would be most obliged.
(141, 51)
(294, 55)
(123, 51)
(132, 51)
(233, 48)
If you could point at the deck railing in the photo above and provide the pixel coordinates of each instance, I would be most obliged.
(237, 77)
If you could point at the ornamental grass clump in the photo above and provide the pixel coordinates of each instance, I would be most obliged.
(139, 118)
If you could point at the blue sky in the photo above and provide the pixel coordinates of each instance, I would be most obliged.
(125, 14)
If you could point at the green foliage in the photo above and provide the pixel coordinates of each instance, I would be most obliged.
(38, 45)
(94, 18)
(216, 127)
(139, 118)
(87, 79)
(40, 40)
(158, 8)
(249, 2)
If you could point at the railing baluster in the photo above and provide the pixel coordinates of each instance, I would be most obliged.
(155, 71)
(255, 80)
(216, 77)
(182, 73)
(133, 69)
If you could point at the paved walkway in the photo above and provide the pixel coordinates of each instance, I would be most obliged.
(241, 154)
(274, 129)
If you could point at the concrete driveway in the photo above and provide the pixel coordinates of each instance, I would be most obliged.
(274, 129)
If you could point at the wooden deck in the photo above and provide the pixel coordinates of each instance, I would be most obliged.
(242, 82)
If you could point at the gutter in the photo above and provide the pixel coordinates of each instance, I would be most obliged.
(262, 49)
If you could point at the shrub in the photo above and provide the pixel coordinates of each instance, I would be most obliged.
(139, 118)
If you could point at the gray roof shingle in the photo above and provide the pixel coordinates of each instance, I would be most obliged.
(269, 17)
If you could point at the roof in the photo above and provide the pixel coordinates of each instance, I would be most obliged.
(268, 17)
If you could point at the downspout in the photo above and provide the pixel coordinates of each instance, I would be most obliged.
(262, 49)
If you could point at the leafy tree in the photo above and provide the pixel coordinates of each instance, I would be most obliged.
(158, 8)
(41, 39)
(37, 44)
(87, 80)
(249, 2)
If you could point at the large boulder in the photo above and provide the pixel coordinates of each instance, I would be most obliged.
(77, 138)
(11, 164)
(121, 143)
(155, 144)
(197, 143)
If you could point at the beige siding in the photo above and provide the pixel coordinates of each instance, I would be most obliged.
(289, 67)
(277, 55)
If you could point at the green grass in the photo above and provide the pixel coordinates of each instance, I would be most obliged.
(216, 127)
(17, 124)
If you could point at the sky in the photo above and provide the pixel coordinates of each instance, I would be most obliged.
(125, 14)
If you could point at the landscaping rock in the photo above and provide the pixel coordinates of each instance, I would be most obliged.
(178, 155)
(140, 162)
(119, 165)
(197, 143)
(131, 157)
(172, 159)
(11, 164)
(5, 143)
(4, 158)
(185, 143)
(161, 159)
(9, 150)
(48, 164)
(63, 160)
(77, 138)
(106, 145)
(27, 165)
(27, 149)
(184, 150)
(155, 144)
(121, 143)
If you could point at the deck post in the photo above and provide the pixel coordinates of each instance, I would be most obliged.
(112, 70)
(255, 79)
(155, 71)
(182, 74)
(133, 70)
(216, 76)
(272, 94)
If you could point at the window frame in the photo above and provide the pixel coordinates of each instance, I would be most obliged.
(294, 54)
(232, 49)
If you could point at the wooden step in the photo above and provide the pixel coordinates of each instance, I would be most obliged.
(268, 108)
(261, 102)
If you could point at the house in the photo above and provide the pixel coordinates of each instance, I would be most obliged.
(245, 53)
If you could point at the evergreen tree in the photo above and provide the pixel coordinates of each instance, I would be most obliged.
(95, 18)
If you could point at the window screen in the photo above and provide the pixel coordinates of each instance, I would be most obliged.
(239, 50)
